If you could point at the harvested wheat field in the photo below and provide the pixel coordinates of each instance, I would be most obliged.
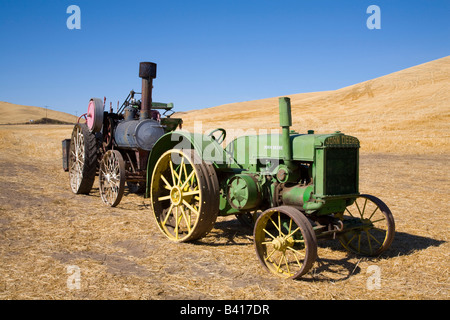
(402, 121)
(17, 114)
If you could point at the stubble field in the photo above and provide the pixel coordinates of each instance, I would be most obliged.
(47, 232)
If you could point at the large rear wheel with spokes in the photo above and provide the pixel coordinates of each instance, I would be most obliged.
(184, 195)
(82, 159)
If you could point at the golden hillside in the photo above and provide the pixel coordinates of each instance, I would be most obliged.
(13, 113)
(404, 112)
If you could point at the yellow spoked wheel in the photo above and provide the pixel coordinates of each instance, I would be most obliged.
(285, 242)
(184, 195)
(374, 226)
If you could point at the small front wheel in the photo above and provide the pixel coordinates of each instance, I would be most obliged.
(285, 242)
(374, 226)
(112, 178)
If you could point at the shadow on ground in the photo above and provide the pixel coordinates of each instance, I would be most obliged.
(326, 268)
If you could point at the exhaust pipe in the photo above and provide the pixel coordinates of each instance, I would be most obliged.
(285, 123)
(140, 134)
(147, 71)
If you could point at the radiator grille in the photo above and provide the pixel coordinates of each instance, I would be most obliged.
(341, 171)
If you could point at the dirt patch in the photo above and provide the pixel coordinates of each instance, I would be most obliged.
(116, 264)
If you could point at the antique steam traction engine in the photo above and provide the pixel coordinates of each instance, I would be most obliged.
(292, 189)
(116, 146)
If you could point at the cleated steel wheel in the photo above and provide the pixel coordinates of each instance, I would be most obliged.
(82, 159)
(184, 195)
(285, 242)
(371, 224)
(112, 178)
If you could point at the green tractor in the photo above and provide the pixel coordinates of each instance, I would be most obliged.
(292, 188)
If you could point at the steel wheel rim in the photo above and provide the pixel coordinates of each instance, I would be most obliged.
(77, 159)
(378, 229)
(284, 243)
(112, 178)
(177, 205)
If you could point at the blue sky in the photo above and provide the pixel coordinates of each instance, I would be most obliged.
(209, 52)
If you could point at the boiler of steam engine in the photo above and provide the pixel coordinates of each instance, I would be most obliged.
(138, 134)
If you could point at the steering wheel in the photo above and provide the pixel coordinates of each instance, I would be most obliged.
(221, 137)
(166, 113)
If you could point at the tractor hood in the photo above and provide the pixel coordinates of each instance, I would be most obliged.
(247, 149)
(303, 146)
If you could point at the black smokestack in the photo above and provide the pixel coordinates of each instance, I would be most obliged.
(147, 71)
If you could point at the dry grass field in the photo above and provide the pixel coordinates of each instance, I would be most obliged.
(402, 121)
(406, 112)
(17, 114)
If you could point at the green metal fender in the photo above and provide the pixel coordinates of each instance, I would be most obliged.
(205, 145)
